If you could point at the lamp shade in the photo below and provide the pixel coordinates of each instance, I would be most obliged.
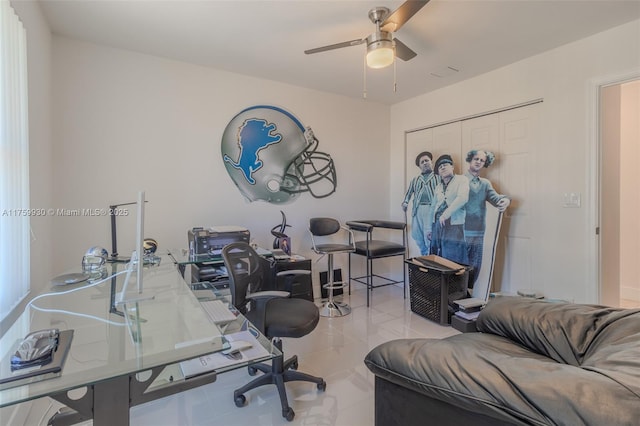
(380, 51)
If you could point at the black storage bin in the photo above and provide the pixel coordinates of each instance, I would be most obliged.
(433, 289)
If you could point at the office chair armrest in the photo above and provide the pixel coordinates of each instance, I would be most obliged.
(266, 295)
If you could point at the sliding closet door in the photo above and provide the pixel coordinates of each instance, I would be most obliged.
(483, 133)
(518, 137)
(512, 136)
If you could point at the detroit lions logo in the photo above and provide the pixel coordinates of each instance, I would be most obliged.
(253, 136)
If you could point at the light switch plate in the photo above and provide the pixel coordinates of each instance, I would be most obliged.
(571, 199)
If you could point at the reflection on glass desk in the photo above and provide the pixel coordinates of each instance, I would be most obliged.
(206, 267)
(125, 354)
(182, 256)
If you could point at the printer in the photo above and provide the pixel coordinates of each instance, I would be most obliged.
(209, 241)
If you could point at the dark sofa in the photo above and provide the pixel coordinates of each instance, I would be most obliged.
(531, 363)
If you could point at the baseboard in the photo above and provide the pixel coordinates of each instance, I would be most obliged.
(630, 293)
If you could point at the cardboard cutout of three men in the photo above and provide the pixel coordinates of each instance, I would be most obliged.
(449, 211)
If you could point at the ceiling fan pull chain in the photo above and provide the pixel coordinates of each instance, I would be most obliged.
(364, 77)
(395, 82)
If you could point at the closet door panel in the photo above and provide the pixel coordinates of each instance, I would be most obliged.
(518, 139)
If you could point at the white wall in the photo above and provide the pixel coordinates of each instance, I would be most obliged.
(564, 78)
(124, 121)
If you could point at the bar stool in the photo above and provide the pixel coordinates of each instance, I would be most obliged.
(325, 227)
(375, 248)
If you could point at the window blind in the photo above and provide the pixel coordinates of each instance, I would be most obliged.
(14, 162)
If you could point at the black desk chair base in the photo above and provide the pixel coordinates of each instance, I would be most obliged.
(278, 373)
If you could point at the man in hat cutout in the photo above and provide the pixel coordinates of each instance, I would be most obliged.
(481, 192)
(421, 188)
(448, 212)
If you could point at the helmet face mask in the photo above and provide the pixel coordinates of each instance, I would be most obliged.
(272, 157)
(94, 260)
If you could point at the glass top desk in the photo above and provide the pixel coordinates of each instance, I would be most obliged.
(127, 355)
(183, 257)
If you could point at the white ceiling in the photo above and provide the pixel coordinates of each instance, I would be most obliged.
(266, 39)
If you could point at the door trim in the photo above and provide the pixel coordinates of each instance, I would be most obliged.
(593, 290)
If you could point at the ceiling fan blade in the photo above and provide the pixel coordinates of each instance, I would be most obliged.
(335, 46)
(402, 51)
(401, 15)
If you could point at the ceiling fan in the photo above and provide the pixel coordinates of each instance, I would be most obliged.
(382, 46)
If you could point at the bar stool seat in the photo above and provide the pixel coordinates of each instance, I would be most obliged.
(379, 248)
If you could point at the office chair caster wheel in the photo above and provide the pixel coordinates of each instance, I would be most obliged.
(252, 371)
(240, 400)
(322, 386)
(288, 414)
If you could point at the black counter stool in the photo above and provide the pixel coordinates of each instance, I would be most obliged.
(326, 227)
(372, 249)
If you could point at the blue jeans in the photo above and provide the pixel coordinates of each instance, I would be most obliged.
(448, 242)
(419, 229)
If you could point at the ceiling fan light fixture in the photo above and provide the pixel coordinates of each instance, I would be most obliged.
(380, 54)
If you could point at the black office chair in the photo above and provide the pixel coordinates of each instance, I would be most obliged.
(325, 227)
(275, 315)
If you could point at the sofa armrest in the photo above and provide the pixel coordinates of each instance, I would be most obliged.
(561, 331)
(495, 377)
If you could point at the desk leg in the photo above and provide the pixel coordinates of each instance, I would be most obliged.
(106, 402)
(111, 402)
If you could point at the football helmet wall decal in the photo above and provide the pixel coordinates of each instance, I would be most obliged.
(272, 157)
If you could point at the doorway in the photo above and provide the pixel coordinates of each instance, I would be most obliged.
(619, 194)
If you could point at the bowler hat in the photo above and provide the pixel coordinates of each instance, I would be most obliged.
(422, 154)
(443, 159)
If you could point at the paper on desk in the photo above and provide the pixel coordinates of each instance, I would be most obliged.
(217, 360)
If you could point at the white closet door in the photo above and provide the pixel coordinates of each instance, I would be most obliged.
(483, 133)
(511, 135)
(517, 168)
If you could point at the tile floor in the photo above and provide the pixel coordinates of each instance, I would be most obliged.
(335, 350)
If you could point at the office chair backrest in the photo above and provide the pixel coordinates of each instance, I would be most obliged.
(322, 226)
(245, 272)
